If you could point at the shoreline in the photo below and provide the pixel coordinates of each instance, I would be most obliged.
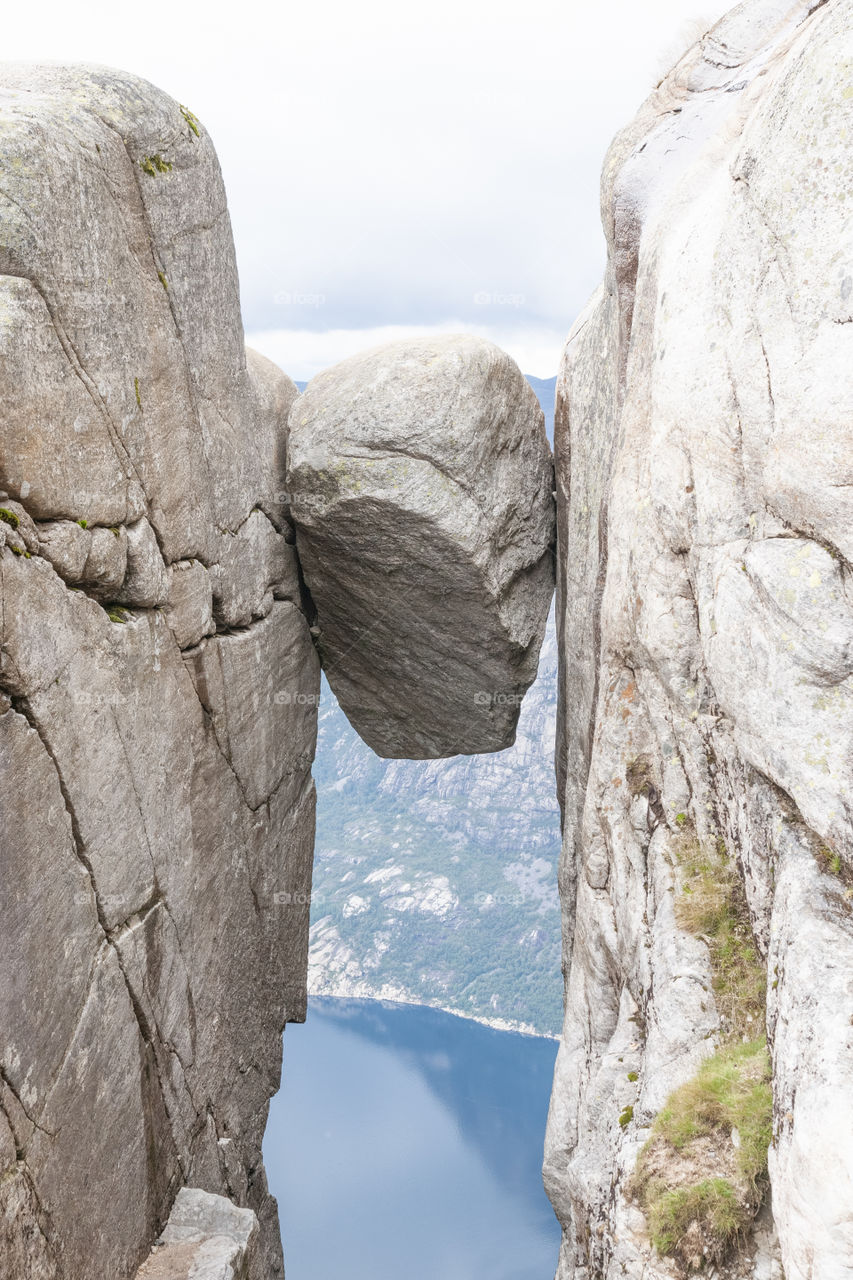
(401, 997)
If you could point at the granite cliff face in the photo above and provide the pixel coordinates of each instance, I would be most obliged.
(156, 793)
(704, 442)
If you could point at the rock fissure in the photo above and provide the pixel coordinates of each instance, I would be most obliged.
(24, 708)
(21, 1148)
(705, 655)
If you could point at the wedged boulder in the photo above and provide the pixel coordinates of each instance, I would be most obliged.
(421, 487)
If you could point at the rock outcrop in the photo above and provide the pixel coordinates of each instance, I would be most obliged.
(159, 687)
(206, 1238)
(704, 449)
(421, 484)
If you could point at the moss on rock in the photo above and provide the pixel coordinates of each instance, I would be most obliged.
(192, 120)
(152, 165)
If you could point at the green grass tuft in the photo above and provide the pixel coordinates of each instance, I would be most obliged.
(703, 1216)
(831, 860)
(712, 1205)
(731, 1090)
(712, 904)
(9, 517)
(699, 1188)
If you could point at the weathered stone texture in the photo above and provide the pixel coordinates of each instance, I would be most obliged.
(421, 486)
(704, 448)
(206, 1238)
(153, 832)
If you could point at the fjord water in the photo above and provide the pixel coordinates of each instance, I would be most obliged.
(408, 1142)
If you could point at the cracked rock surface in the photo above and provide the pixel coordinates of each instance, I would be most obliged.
(420, 481)
(704, 447)
(158, 689)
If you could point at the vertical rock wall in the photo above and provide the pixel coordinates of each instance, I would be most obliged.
(159, 687)
(704, 451)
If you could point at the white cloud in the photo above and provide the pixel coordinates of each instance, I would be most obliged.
(398, 160)
(304, 352)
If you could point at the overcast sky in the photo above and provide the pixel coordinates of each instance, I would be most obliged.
(396, 167)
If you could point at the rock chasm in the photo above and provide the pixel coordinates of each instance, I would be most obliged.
(185, 540)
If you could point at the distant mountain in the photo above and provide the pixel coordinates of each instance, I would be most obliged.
(435, 881)
(546, 390)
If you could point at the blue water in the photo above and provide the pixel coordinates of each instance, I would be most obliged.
(408, 1143)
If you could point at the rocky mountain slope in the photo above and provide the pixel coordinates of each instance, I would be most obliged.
(435, 882)
(703, 1102)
